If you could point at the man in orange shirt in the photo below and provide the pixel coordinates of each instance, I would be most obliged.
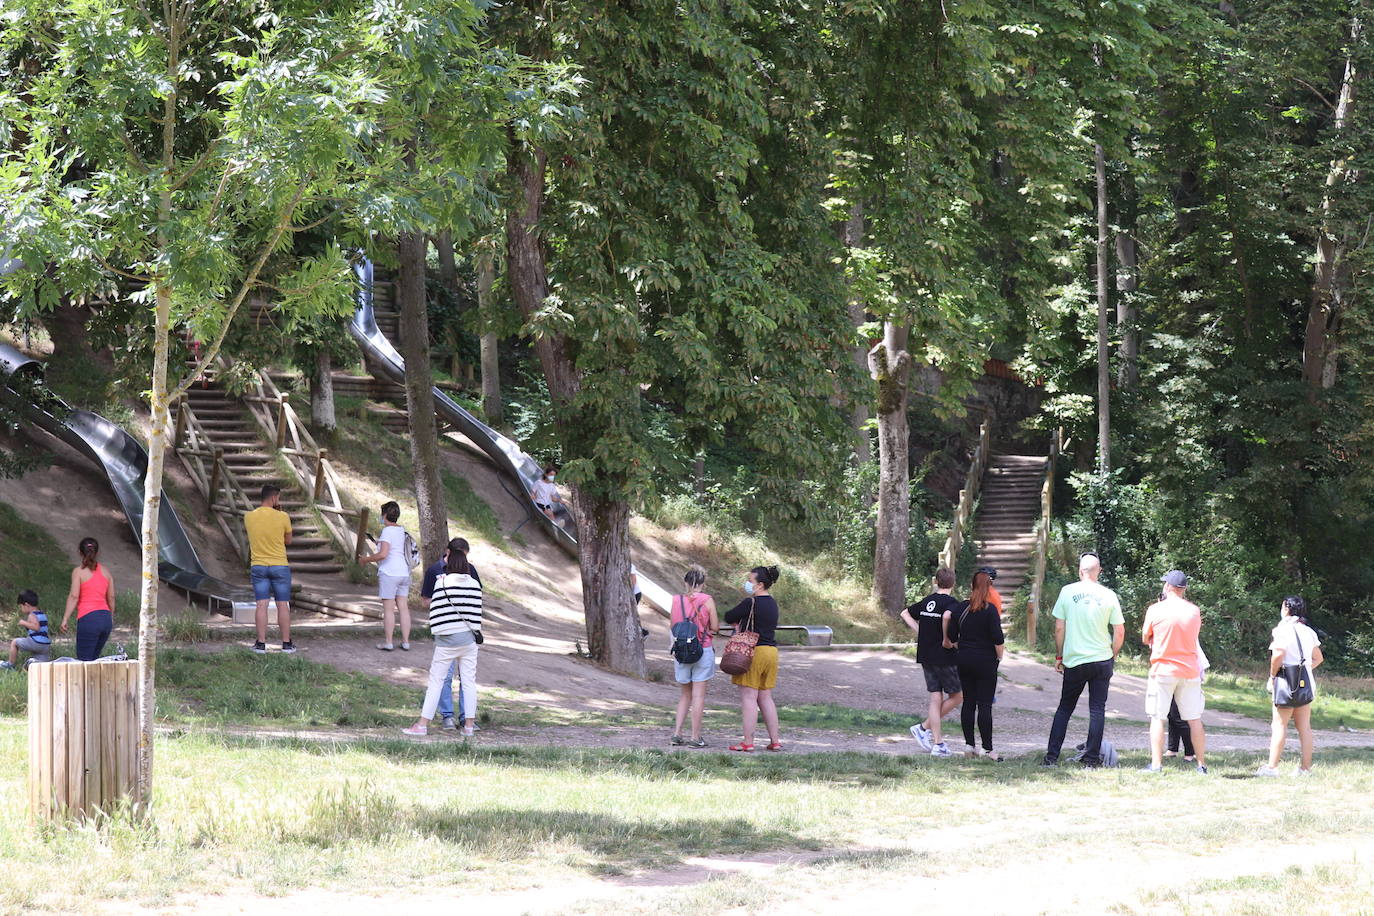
(1171, 631)
(994, 596)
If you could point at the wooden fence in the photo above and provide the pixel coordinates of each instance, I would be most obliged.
(83, 737)
(1042, 538)
(205, 462)
(949, 556)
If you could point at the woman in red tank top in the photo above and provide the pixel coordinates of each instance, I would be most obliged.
(699, 608)
(92, 598)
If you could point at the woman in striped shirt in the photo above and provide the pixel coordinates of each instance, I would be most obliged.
(455, 620)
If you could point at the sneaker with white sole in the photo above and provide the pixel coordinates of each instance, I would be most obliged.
(385, 646)
(449, 724)
(1151, 769)
(922, 735)
(289, 648)
(1301, 772)
(405, 647)
(941, 750)
(1267, 770)
(260, 648)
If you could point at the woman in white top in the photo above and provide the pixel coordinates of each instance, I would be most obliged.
(393, 576)
(545, 493)
(1293, 641)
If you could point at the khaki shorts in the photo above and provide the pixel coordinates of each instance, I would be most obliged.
(763, 673)
(1161, 692)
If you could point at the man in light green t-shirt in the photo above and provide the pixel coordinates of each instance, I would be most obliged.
(1088, 631)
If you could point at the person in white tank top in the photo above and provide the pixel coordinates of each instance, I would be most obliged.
(1292, 642)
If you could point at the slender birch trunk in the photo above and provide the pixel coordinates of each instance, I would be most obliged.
(1104, 377)
(890, 365)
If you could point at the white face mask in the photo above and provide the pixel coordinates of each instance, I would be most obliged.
(748, 587)
(550, 477)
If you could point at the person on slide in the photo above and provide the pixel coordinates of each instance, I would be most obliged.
(545, 493)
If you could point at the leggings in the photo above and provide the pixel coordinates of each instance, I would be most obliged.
(1179, 731)
(92, 629)
(979, 679)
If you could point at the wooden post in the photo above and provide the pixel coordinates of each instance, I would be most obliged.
(83, 729)
(180, 432)
(320, 457)
(215, 457)
(281, 421)
(362, 531)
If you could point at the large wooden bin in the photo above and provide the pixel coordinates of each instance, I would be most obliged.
(83, 737)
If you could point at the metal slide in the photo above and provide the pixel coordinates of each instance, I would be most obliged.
(502, 450)
(125, 463)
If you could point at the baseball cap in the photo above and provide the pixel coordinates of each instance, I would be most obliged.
(990, 570)
(1175, 578)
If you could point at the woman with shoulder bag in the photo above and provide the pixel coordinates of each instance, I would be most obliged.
(698, 609)
(756, 621)
(1294, 647)
(455, 619)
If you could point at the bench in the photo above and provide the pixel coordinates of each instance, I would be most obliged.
(810, 636)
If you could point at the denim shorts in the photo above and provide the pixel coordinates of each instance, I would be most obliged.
(271, 583)
(389, 587)
(703, 669)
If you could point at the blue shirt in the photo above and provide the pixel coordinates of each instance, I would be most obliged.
(434, 571)
(41, 634)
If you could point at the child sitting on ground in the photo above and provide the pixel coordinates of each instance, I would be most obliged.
(38, 643)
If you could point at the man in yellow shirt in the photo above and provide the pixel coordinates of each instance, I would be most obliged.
(269, 531)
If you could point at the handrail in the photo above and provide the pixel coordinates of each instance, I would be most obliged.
(204, 461)
(949, 556)
(1042, 537)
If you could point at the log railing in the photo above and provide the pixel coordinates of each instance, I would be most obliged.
(1042, 538)
(949, 556)
(308, 463)
(205, 462)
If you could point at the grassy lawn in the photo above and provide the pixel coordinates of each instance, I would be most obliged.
(267, 817)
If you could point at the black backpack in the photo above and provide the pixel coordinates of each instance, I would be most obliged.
(687, 649)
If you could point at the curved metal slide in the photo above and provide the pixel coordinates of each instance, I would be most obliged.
(503, 451)
(125, 463)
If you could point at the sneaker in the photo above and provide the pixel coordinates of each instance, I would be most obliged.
(1301, 772)
(449, 724)
(289, 648)
(260, 648)
(1267, 770)
(941, 750)
(6, 666)
(678, 741)
(1049, 763)
(1151, 769)
(922, 735)
(1202, 769)
(385, 646)
(700, 742)
(405, 647)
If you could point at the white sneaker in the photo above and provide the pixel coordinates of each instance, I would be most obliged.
(1267, 770)
(941, 750)
(385, 646)
(1301, 772)
(922, 735)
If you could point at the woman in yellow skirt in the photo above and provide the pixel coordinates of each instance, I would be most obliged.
(756, 685)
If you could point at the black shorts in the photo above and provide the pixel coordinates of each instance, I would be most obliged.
(942, 679)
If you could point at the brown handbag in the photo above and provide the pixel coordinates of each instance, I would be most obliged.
(739, 651)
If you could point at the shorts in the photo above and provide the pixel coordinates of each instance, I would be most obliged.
(29, 644)
(763, 673)
(271, 583)
(1161, 692)
(389, 587)
(703, 669)
(942, 679)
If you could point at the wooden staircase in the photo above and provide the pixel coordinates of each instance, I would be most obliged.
(232, 431)
(1005, 535)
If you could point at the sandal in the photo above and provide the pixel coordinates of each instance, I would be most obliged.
(745, 748)
(775, 746)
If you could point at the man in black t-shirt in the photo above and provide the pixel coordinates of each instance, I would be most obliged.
(938, 659)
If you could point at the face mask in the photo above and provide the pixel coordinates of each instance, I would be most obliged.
(549, 478)
(749, 588)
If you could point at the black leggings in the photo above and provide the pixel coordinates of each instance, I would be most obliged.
(978, 676)
(1179, 731)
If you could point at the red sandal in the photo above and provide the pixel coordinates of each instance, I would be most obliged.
(746, 748)
(775, 746)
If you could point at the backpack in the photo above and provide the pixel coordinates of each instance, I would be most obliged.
(686, 649)
(411, 551)
(1107, 753)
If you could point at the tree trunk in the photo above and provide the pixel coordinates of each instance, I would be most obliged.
(699, 475)
(148, 537)
(1328, 284)
(603, 522)
(322, 416)
(424, 433)
(858, 314)
(491, 366)
(1127, 280)
(890, 365)
(448, 266)
(1104, 378)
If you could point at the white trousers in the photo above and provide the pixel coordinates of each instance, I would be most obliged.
(467, 677)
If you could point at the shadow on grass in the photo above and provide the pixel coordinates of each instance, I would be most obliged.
(353, 814)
